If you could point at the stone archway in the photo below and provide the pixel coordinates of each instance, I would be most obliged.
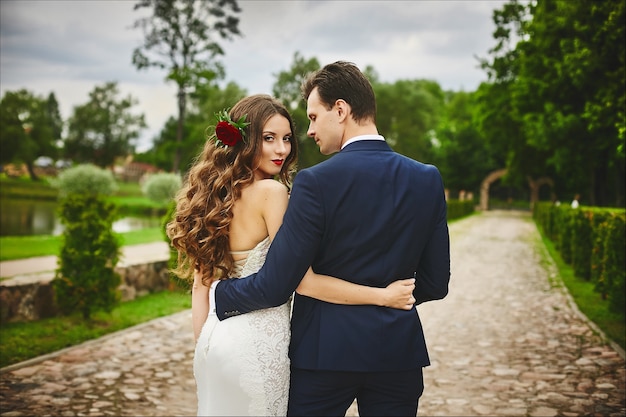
(535, 185)
(484, 186)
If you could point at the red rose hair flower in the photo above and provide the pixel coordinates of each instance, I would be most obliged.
(228, 132)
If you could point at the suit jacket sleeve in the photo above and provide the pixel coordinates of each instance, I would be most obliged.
(433, 271)
(290, 255)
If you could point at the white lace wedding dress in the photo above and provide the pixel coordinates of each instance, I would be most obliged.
(241, 365)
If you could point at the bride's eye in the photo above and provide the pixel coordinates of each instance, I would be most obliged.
(268, 138)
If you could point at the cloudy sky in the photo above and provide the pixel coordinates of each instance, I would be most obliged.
(68, 47)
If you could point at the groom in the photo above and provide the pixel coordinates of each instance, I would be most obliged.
(367, 215)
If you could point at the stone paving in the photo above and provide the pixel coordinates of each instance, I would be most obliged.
(507, 341)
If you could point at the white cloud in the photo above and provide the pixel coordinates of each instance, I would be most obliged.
(69, 47)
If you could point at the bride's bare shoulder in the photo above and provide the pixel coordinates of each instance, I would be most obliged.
(267, 188)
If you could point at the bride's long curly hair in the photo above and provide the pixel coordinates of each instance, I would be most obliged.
(199, 229)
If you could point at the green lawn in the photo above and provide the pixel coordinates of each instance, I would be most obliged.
(19, 247)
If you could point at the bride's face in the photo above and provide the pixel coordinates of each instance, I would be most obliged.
(276, 147)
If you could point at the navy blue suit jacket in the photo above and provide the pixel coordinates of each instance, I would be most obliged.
(368, 215)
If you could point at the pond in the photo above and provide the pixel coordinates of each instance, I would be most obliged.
(32, 217)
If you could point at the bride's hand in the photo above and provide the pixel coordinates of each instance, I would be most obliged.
(399, 294)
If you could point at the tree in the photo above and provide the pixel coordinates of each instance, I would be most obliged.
(104, 128)
(30, 127)
(461, 153)
(407, 114)
(178, 36)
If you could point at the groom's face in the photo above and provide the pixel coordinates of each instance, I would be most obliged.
(324, 126)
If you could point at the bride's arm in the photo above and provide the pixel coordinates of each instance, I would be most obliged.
(398, 294)
(199, 304)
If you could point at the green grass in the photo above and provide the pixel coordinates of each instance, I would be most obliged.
(26, 340)
(19, 247)
(25, 188)
(589, 302)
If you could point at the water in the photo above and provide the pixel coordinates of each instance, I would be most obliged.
(30, 217)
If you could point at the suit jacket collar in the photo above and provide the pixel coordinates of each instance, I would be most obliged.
(367, 145)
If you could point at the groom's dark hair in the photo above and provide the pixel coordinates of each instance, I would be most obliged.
(343, 80)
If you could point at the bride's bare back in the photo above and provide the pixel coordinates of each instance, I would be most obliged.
(257, 214)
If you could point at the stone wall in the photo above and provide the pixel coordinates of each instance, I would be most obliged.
(31, 297)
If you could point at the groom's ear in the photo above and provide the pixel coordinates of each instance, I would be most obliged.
(343, 110)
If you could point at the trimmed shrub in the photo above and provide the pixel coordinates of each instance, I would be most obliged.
(85, 280)
(592, 241)
(86, 179)
(581, 243)
(162, 187)
(458, 208)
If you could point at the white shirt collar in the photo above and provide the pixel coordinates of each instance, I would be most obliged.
(362, 137)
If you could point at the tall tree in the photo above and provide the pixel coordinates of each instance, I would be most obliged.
(30, 127)
(180, 36)
(104, 128)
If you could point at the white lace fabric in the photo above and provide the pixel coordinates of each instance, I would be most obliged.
(241, 364)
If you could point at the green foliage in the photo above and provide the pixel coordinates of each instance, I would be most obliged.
(611, 277)
(162, 187)
(556, 105)
(29, 128)
(582, 243)
(86, 280)
(458, 209)
(104, 128)
(408, 111)
(459, 149)
(86, 179)
(592, 241)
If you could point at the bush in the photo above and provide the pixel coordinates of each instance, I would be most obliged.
(86, 280)
(458, 208)
(162, 187)
(592, 241)
(86, 179)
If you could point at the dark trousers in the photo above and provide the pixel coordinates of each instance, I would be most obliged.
(330, 393)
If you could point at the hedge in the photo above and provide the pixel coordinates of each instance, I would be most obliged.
(458, 208)
(592, 241)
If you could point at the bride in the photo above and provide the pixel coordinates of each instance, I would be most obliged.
(227, 213)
